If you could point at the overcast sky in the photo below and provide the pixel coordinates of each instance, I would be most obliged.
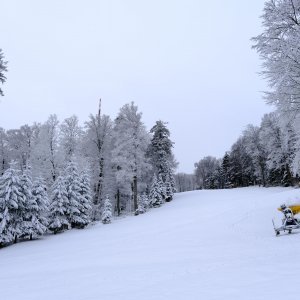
(186, 62)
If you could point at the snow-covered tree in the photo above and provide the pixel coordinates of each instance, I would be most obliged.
(3, 69)
(131, 141)
(143, 204)
(41, 210)
(163, 187)
(46, 155)
(155, 196)
(59, 207)
(29, 204)
(160, 151)
(185, 182)
(278, 47)
(97, 147)
(204, 169)
(20, 144)
(86, 198)
(35, 208)
(11, 205)
(241, 170)
(279, 140)
(70, 135)
(169, 187)
(4, 151)
(76, 209)
(107, 211)
(256, 150)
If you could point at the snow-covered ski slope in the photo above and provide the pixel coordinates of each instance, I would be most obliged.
(203, 245)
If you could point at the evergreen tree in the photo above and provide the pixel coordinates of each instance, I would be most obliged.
(155, 196)
(225, 171)
(242, 171)
(107, 212)
(29, 204)
(6, 228)
(169, 189)
(59, 207)
(160, 151)
(76, 205)
(41, 210)
(163, 188)
(143, 204)
(86, 198)
(11, 205)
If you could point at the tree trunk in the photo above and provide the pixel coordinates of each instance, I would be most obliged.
(118, 203)
(135, 193)
(3, 166)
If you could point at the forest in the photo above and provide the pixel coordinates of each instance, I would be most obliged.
(268, 154)
(60, 175)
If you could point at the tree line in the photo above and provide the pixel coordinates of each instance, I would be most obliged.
(59, 175)
(269, 154)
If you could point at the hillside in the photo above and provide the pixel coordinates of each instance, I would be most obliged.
(203, 245)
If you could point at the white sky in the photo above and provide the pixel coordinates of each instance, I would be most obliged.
(187, 62)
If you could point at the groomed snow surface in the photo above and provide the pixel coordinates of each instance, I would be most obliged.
(202, 245)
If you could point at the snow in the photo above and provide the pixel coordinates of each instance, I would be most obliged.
(203, 245)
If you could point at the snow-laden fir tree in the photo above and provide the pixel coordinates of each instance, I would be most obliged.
(143, 204)
(107, 211)
(160, 153)
(163, 188)
(59, 206)
(29, 204)
(169, 189)
(155, 196)
(76, 201)
(41, 210)
(86, 198)
(11, 205)
(160, 149)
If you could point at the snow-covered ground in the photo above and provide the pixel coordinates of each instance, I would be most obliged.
(203, 245)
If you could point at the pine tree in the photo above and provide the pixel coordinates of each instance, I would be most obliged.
(6, 228)
(74, 197)
(29, 204)
(40, 213)
(155, 196)
(58, 219)
(143, 204)
(169, 189)
(11, 205)
(225, 170)
(162, 158)
(160, 149)
(86, 198)
(107, 211)
(162, 186)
